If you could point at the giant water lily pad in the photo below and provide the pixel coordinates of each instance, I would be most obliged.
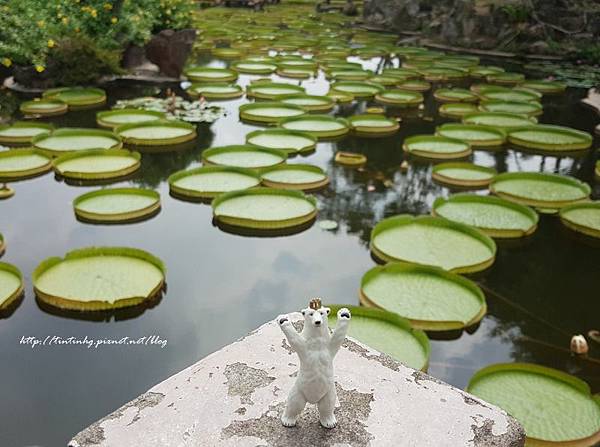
(244, 156)
(415, 85)
(157, 133)
(360, 90)
(271, 90)
(505, 78)
(23, 132)
(77, 97)
(296, 72)
(215, 91)
(432, 241)
(11, 285)
(490, 93)
(209, 74)
(476, 134)
(457, 109)
(387, 332)
(254, 67)
(529, 108)
(20, 164)
(288, 140)
(66, 140)
(302, 177)
(349, 75)
(320, 126)
(97, 164)
(265, 209)
(117, 205)
(494, 216)
(463, 174)
(545, 87)
(399, 98)
(114, 118)
(208, 182)
(373, 125)
(2, 245)
(554, 408)
(429, 297)
(44, 107)
(551, 191)
(436, 147)
(269, 112)
(455, 95)
(550, 138)
(582, 217)
(499, 120)
(312, 103)
(99, 278)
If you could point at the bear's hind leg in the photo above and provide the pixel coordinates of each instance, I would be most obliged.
(326, 406)
(293, 407)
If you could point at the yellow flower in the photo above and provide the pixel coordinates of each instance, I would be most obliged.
(114, 20)
(94, 13)
(6, 62)
(65, 20)
(39, 68)
(51, 43)
(108, 6)
(41, 23)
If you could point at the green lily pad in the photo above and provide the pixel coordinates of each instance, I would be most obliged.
(540, 189)
(436, 147)
(484, 71)
(77, 97)
(495, 216)
(463, 174)
(264, 209)
(97, 164)
(99, 278)
(21, 164)
(550, 138)
(388, 333)
(430, 298)
(328, 225)
(157, 133)
(457, 109)
(2, 245)
(44, 107)
(117, 205)
(244, 156)
(415, 85)
(507, 78)
(349, 75)
(582, 217)
(552, 406)
(302, 177)
(311, 103)
(208, 182)
(399, 98)
(283, 139)
(350, 159)
(490, 93)
(114, 118)
(546, 87)
(455, 95)
(433, 241)
(23, 132)
(269, 112)
(443, 74)
(529, 108)
(215, 91)
(209, 74)
(500, 120)
(254, 67)
(66, 140)
(227, 53)
(11, 285)
(476, 134)
(373, 125)
(295, 72)
(320, 126)
(272, 90)
(360, 90)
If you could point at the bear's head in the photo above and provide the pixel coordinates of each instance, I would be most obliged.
(316, 318)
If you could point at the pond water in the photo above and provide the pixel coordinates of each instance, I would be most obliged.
(220, 286)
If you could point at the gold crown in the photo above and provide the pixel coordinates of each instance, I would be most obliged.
(315, 303)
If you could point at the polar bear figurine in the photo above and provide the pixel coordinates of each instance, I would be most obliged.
(316, 347)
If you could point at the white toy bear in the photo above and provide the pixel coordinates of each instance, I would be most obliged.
(316, 348)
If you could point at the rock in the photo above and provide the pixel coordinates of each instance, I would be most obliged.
(234, 397)
(350, 9)
(170, 49)
(133, 57)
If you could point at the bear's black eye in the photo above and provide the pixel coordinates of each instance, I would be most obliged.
(311, 314)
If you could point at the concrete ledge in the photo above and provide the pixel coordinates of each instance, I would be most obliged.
(234, 397)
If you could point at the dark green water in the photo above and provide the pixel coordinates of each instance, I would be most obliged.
(220, 286)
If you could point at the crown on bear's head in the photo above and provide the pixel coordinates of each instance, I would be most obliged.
(315, 303)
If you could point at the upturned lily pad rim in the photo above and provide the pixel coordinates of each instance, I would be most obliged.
(577, 226)
(327, 103)
(491, 231)
(191, 90)
(195, 194)
(557, 178)
(350, 159)
(206, 154)
(585, 139)
(295, 72)
(280, 131)
(267, 67)
(320, 133)
(426, 325)
(99, 99)
(440, 177)
(246, 110)
(441, 94)
(5, 139)
(389, 317)
(417, 98)
(558, 375)
(135, 141)
(408, 219)
(537, 107)
(101, 175)
(28, 107)
(7, 301)
(101, 117)
(252, 90)
(129, 216)
(370, 89)
(498, 141)
(264, 224)
(543, 86)
(358, 128)
(306, 187)
(75, 132)
(500, 115)
(465, 152)
(23, 174)
(456, 109)
(65, 303)
(228, 75)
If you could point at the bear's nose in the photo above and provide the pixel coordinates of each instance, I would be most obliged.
(317, 323)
